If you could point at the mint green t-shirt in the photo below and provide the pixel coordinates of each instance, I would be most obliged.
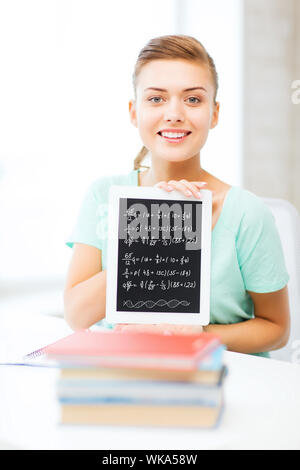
(246, 252)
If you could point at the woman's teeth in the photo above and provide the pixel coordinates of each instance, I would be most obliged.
(173, 135)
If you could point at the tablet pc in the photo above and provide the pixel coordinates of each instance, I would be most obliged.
(158, 258)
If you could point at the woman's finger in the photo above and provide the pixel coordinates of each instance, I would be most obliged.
(194, 188)
(181, 187)
(199, 183)
(186, 187)
(163, 185)
(135, 327)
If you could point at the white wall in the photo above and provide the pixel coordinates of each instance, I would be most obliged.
(272, 117)
(218, 24)
(64, 91)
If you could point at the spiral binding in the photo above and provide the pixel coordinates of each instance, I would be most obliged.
(34, 354)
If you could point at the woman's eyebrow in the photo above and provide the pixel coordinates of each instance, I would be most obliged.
(187, 89)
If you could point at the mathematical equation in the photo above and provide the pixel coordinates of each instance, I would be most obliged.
(132, 261)
(129, 258)
(154, 241)
(159, 256)
(163, 285)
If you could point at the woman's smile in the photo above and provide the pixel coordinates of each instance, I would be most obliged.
(174, 136)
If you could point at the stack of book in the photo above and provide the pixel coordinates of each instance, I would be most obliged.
(140, 379)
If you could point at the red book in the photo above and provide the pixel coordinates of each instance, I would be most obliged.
(131, 349)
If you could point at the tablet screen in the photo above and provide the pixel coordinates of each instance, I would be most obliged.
(159, 258)
(158, 268)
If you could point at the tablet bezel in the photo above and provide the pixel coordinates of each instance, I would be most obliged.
(152, 193)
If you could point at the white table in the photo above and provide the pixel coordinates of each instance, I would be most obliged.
(262, 402)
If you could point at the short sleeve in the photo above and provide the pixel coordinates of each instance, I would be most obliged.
(259, 250)
(91, 225)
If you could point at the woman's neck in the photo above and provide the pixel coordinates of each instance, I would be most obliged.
(189, 170)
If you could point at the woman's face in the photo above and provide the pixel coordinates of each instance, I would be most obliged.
(174, 108)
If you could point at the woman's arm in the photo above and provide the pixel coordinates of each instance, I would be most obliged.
(268, 330)
(85, 288)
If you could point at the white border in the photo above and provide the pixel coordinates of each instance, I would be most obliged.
(114, 316)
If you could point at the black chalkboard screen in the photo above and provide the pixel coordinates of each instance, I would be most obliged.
(158, 268)
(155, 270)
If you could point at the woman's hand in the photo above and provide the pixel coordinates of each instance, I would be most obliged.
(188, 188)
(165, 328)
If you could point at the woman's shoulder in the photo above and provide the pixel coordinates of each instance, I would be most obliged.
(245, 209)
(246, 198)
(250, 203)
(235, 201)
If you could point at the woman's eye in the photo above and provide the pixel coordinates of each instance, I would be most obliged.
(194, 99)
(158, 99)
(155, 99)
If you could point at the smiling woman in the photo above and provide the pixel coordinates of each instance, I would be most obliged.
(174, 109)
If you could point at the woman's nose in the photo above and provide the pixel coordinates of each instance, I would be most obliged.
(174, 112)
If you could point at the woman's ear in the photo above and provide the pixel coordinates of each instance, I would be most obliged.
(215, 115)
(132, 112)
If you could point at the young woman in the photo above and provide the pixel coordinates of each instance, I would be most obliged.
(175, 87)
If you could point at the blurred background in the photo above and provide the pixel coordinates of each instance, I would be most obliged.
(65, 83)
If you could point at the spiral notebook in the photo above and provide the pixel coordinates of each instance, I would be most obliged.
(125, 349)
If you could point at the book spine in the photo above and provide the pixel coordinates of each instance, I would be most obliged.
(136, 401)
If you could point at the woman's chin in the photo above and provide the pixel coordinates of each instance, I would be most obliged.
(173, 158)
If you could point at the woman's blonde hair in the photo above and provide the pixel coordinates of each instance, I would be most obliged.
(169, 48)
